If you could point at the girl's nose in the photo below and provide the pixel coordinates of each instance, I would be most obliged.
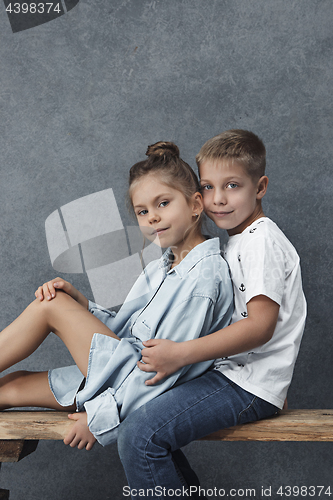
(153, 217)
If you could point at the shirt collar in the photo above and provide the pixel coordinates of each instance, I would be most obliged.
(199, 252)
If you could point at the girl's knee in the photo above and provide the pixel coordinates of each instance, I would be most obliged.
(51, 308)
(60, 299)
(42, 306)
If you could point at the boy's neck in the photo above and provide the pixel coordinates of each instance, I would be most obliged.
(257, 214)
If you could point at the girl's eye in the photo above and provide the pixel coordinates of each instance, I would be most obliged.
(206, 187)
(232, 185)
(164, 203)
(142, 212)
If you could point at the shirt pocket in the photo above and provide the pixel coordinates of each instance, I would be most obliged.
(141, 330)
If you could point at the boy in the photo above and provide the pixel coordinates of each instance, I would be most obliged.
(257, 351)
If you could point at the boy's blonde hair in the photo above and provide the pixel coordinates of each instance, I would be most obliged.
(241, 146)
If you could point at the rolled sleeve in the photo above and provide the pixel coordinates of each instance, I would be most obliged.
(104, 315)
(103, 417)
(110, 363)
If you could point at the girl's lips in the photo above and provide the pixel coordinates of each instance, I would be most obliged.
(160, 231)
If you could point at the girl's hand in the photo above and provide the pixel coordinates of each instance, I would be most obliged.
(162, 356)
(48, 290)
(80, 434)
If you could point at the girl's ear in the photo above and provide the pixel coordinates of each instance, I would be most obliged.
(262, 187)
(197, 204)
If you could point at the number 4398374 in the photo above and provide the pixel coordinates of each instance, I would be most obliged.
(33, 8)
(304, 491)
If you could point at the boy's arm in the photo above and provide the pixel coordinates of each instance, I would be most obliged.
(166, 357)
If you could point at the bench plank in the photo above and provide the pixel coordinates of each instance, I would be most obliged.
(21, 430)
(287, 425)
(35, 425)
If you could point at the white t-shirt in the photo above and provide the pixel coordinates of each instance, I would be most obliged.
(262, 261)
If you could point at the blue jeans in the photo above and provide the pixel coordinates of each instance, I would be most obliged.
(150, 438)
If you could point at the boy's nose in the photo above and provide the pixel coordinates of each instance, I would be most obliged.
(219, 198)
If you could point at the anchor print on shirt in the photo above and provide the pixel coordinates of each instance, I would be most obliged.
(252, 230)
(244, 314)
(242, 287)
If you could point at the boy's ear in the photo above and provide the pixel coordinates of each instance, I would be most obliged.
(197, 204)
(262, 187)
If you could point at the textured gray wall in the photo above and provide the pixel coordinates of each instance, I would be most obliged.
(82, 96)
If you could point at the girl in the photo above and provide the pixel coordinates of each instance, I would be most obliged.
(174, 298)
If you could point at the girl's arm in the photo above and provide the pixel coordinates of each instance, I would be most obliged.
(48, 291)
(166, 357)
(80, 435)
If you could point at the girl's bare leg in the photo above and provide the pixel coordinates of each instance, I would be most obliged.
(71, 322)
(28, 389)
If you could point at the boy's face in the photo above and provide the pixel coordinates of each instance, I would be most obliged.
(231, 198)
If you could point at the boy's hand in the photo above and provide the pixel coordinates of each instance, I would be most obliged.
(162, 356)
(80, 434)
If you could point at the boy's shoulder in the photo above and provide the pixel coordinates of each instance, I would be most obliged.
(262, 243)
(261, 230)
(262, 227)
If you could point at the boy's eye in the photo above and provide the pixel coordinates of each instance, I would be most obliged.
(232, 185)
(206, 187)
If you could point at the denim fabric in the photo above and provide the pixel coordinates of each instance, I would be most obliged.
(188, 301)
(149, 440)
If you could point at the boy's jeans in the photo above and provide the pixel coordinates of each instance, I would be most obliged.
(150, 438)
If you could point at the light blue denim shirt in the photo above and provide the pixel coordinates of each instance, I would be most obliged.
(193, 299)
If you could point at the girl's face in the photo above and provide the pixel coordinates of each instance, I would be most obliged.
(163, 213)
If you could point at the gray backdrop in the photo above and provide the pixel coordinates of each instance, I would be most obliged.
(83, 95)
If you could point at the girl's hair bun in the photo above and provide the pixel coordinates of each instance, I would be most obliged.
(161, 148)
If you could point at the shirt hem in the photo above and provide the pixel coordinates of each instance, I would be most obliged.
(257, 391)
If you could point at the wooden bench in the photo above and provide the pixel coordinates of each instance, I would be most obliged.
(20, 431)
